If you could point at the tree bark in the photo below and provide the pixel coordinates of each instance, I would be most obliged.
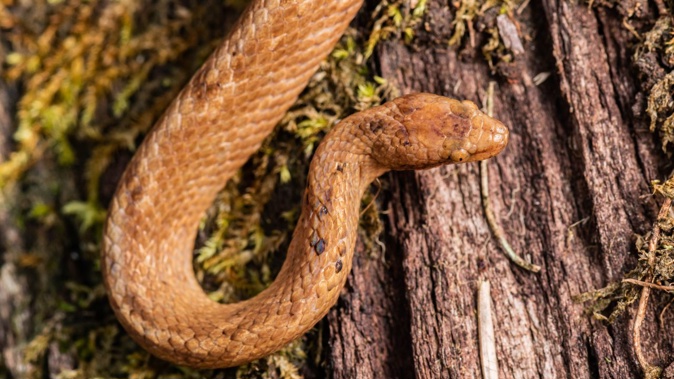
(571, 191)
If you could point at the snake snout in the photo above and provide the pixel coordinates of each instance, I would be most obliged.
(491, 138)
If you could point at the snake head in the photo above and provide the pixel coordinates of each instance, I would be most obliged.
(433, 130)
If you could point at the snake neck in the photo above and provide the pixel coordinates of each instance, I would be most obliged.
(320, 254)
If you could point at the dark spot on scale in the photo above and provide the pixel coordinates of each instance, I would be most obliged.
(136, 193)
(375, 127)
(338, 265)
(340, 168)
(320, 246)
(406, 143)
(323, 211)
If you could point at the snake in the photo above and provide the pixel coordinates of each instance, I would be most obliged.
(208, 132)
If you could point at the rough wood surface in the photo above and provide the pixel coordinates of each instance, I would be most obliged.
(571, 191)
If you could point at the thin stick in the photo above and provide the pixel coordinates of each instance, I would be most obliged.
(486, 203)
(648, 369)
(485, 326)
(649, 285)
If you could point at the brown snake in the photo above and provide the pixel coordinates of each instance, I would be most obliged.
(208, 132)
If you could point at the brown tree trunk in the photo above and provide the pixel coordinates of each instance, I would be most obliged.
(571, 191)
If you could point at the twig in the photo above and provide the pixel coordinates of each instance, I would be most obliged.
(495, 227)
(489, 212)
(485, 326)
(649, 285)
(648, 369)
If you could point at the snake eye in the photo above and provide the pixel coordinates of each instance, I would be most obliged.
(459, 155)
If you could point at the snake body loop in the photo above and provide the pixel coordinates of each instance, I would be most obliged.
(218, 120)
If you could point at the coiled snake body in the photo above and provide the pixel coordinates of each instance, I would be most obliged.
(218, 120)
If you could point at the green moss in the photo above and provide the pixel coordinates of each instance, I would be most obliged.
(84, 56)
(466, 16)
(654, 58)
(394, 18)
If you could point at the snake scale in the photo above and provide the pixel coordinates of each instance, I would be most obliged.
(207, 133)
